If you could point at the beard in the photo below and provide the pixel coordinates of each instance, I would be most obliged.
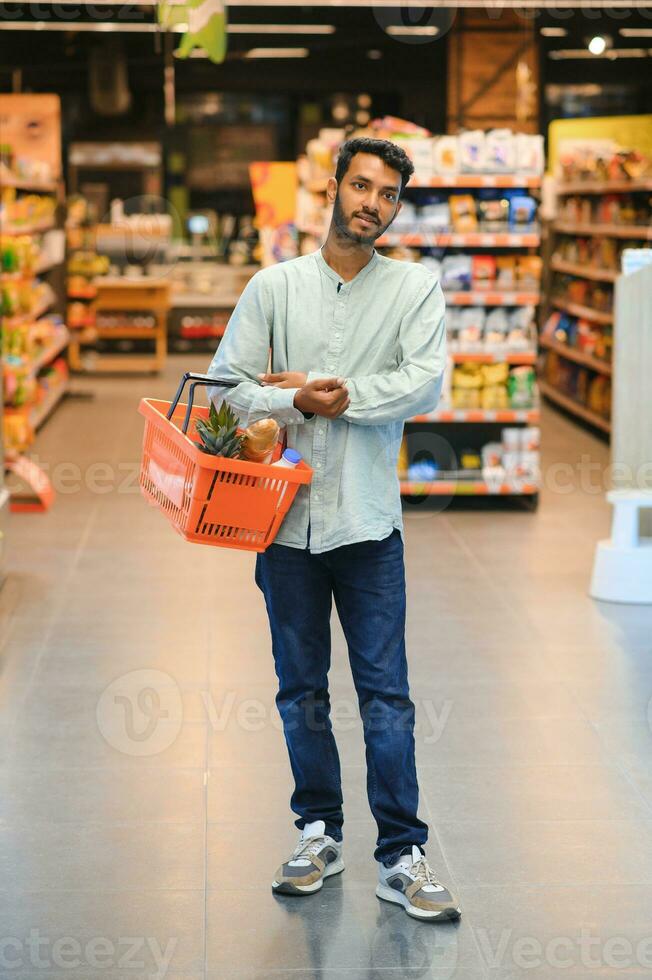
(342, 224)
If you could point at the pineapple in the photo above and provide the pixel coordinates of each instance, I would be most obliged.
(219, 434)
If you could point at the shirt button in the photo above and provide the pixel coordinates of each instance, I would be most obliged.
(318, 465)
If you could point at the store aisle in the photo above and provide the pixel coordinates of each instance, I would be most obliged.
(143, 775)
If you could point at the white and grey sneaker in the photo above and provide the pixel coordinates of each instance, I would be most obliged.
(411, 883)
(316, 856)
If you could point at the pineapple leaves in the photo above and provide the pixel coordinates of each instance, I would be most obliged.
(218, 434)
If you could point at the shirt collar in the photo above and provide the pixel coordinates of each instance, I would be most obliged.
(332, 274)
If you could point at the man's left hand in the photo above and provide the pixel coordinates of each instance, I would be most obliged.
(284, 379)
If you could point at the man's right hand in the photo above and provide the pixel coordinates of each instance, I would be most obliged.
(325, 396)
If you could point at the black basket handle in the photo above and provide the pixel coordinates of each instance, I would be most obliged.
(198, 379)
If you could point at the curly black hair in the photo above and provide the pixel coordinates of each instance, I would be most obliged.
(393, 155)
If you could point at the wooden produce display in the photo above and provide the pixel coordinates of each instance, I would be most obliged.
(119, 307)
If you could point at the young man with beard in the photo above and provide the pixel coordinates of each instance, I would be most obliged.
(358, 346)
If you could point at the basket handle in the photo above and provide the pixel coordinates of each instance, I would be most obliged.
(196, 379)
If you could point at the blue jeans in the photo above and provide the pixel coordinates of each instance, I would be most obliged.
(367, 581)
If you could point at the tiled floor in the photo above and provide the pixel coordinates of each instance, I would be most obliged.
(143, 777)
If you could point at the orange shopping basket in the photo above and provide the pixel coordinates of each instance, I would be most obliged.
(232, 503)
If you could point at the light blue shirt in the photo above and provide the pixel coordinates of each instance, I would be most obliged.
(384, 333)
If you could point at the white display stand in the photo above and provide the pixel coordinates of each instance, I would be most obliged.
(623, 565)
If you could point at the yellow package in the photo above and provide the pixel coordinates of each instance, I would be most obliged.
(468, 376)
(465, 398)
(495, 374)
(494, 397)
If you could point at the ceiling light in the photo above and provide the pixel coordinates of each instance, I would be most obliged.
(598, 44)
(612, 53)
(412, 31)
(554, 31)
(278, 53)
(281, 28)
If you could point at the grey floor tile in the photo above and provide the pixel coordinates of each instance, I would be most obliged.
(102, 796)
(345, 932)
(532, 793)
(552, 932)
(38, 856)
(549, 852)
(160, 929)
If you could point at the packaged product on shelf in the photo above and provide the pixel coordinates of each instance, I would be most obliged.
(492, 454)
(511, 439)
(452, 327)
(407, 217)
(472, 151)
(423, 471)
(470, 459)
(464, 217)
(471, 328)
(435, 216)
(521, 386)
(456, 272)
(466, 399)
(446, 156)
(531, 438)
(530, 156)
(494, 398)
(522, 210)
(598, 396)
(496, 330)
(529, 269)
(431, 263)
(493, 213)
(500, 151)
(495, 374)
(483, 271)
(506, 271)
(420, 150)
(522, 331)
(468, 376)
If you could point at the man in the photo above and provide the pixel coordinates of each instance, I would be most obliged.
(358, 346)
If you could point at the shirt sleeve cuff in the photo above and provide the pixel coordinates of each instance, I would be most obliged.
(282, 403)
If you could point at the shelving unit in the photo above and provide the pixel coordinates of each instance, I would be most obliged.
(124, 296)
(19, 331)
(593, 372)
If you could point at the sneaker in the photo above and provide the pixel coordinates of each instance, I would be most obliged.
(316, 856)
(411, 883)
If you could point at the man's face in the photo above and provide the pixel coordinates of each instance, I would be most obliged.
(366, 199)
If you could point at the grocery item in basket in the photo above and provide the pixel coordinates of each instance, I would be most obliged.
(219, 434)
(258, 441)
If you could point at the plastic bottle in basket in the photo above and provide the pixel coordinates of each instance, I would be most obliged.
(289, 459)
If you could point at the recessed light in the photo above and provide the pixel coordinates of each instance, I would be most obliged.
(397, 31)
(278, 53)
(598, 44)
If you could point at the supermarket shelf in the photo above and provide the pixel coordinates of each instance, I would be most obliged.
(584, 271)
(465, 488)
(7, 179)
(128, 333)
(478, 180)
(520, 357)
(605, 186)
(486, 298)
(565, 401)
(27, 229)
(30, 317)
(474, 239)
(50, 352)
(530, 416)
(571, 354)
(615, 231)
(585, 312)
(40, 412)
